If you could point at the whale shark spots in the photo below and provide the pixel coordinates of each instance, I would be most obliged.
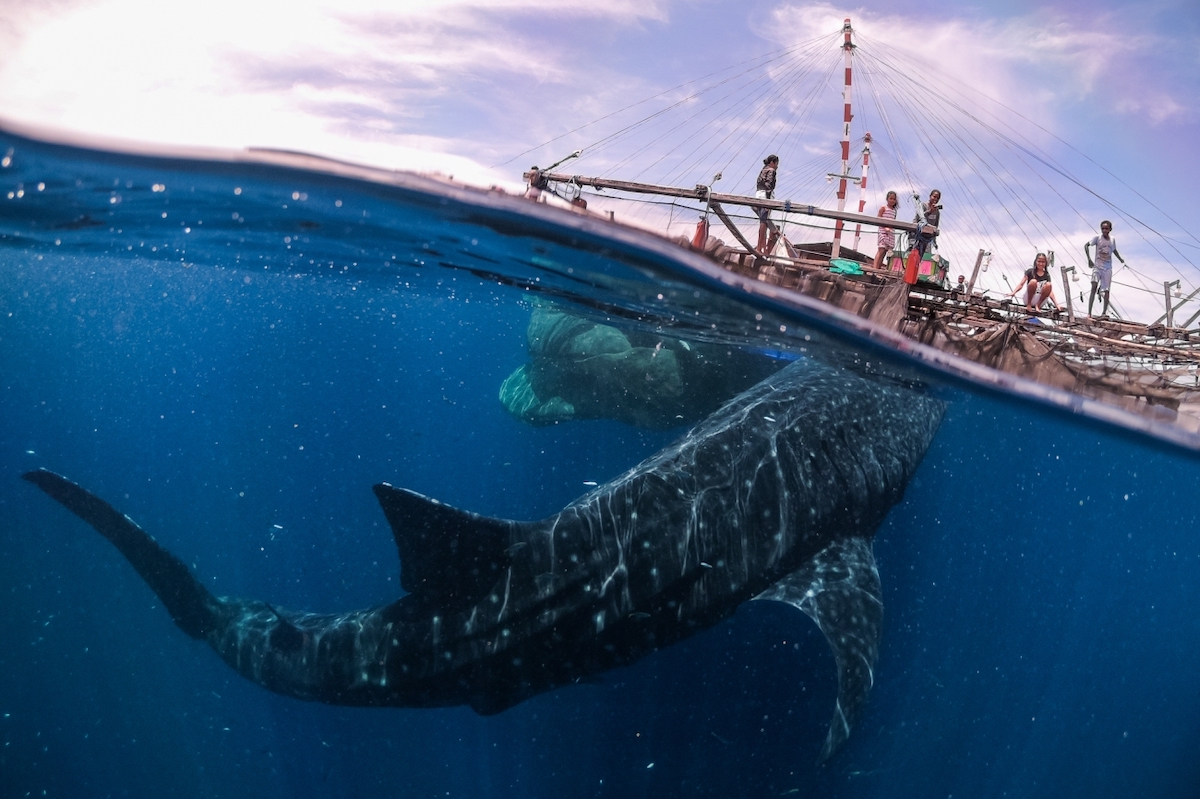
(776, 495)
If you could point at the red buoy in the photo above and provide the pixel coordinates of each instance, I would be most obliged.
(910, 268)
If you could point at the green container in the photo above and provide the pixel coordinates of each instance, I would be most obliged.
(844, 266)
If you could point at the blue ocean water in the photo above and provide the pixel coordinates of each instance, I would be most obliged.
(233, 352)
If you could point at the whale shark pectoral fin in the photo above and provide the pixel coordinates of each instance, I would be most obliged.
(446, 554)
(191, 605)
(839, 589)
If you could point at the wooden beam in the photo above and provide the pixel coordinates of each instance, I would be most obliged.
(701, 193)
(724, 217)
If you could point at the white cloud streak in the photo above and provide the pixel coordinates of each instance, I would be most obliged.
(1050, 59)
(406, 85)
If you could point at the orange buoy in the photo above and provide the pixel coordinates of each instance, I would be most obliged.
(910, 268)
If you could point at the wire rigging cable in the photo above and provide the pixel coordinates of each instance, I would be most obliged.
(1004, 189)
(1017, 142)
(756, 62)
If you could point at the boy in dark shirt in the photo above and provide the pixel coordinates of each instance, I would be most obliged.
(765, 190)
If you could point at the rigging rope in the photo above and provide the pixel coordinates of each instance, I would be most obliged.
(765, 58)
(1035, 153)
(933, 125)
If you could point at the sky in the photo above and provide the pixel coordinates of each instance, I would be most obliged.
(1106, 93)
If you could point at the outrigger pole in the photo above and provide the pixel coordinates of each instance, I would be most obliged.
(539, 179)
(701, 193)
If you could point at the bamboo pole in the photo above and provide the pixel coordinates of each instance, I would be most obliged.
(724, 217)
(1179, 305)
(974, 275)
(701, 193)
(1067, 294)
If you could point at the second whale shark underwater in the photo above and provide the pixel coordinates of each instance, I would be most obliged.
(776, 495)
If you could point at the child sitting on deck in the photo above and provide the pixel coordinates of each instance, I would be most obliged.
(1037, 278)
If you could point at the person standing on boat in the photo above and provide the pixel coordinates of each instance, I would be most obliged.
(887, 236)
(1106, 248)
(1037, 277)
(765, 190)
(929, 217)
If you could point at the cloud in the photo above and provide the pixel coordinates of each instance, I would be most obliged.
(454, 85)
(341, 78)
(982, 107)
(1045, 61)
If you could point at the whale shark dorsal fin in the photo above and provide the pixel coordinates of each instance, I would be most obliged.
(839, 589)
(447, 555)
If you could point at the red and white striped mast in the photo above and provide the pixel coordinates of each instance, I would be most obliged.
(862, 186)
(848, 48)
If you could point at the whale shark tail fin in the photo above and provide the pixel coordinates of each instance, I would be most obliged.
(191, 605)
(447, 556)
(839, 589)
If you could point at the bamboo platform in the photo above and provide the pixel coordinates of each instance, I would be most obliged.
(1150, 369)
(1084, 336)
(1147, 369)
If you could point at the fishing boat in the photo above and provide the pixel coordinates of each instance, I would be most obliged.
(1152, 368)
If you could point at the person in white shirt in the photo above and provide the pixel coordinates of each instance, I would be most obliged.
(1106, 248)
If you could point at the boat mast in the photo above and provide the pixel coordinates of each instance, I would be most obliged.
(848, 48)
(862, 186)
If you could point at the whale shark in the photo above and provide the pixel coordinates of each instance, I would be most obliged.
(775, 496)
